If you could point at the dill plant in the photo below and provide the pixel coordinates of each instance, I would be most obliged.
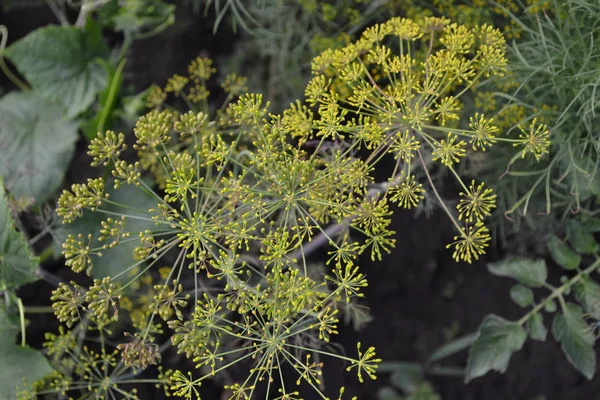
(243, 198)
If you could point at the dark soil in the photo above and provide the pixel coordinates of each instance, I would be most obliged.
(418, 292)
(418, 295)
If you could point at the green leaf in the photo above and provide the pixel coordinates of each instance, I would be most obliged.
(529, 272)
(16, 362)
(387, 393)
(36, 145)
(59, 63)
(550, 306)
(453, 347)
(114, 260)
(137, 16)
(424, 392)
(408, 378)
(576, 339)
(592, 224)
(588, 294)
(522, 295)
(537, 329)
(108, 99)
(498, 339)
(17, 263)
(562, 254)
(582, 240)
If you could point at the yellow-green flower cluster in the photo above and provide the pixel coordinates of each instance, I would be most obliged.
(404, 79)
(476, 12)
(242, 192)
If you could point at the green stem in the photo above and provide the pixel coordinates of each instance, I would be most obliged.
(13, 78)
(445, 371)
(46, 254)
(111, 98)
(437, 195)
(559, 291)
(22, 320)
(38, 310)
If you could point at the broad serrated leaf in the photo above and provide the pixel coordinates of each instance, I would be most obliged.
(115, 260)
(59, 63)
(36, 145)
(537, 329)
(529, 272)
(522, 295)
(497, 340)
(17, 263)
(16, 362)
(588, 294)
(583, 241)
(576, 339)
(562, 254)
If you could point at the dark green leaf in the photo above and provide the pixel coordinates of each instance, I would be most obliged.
(424, 392)
(550, 306)
(576, 339)
(562, 254)
(387, 393)
(389, 367)
(592, 224)
(108, 100)
(138, 16)
(453, 347)
(529, 272)
(522, 295)
(407, 379)
(36, 145)
(59, 63)
(17, 263)
(588, 294)
(537, 329)
(582, 240)
(498, 339)
(16, 362)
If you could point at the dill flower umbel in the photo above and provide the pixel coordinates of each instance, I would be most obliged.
(484, 133)
(476, 204)
(220, 254)
(471, 243)
(535, 139)
(238, 201)
(408, 193)
(449, 151)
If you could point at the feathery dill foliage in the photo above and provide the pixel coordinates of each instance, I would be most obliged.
(241, 193)
(554, 73)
